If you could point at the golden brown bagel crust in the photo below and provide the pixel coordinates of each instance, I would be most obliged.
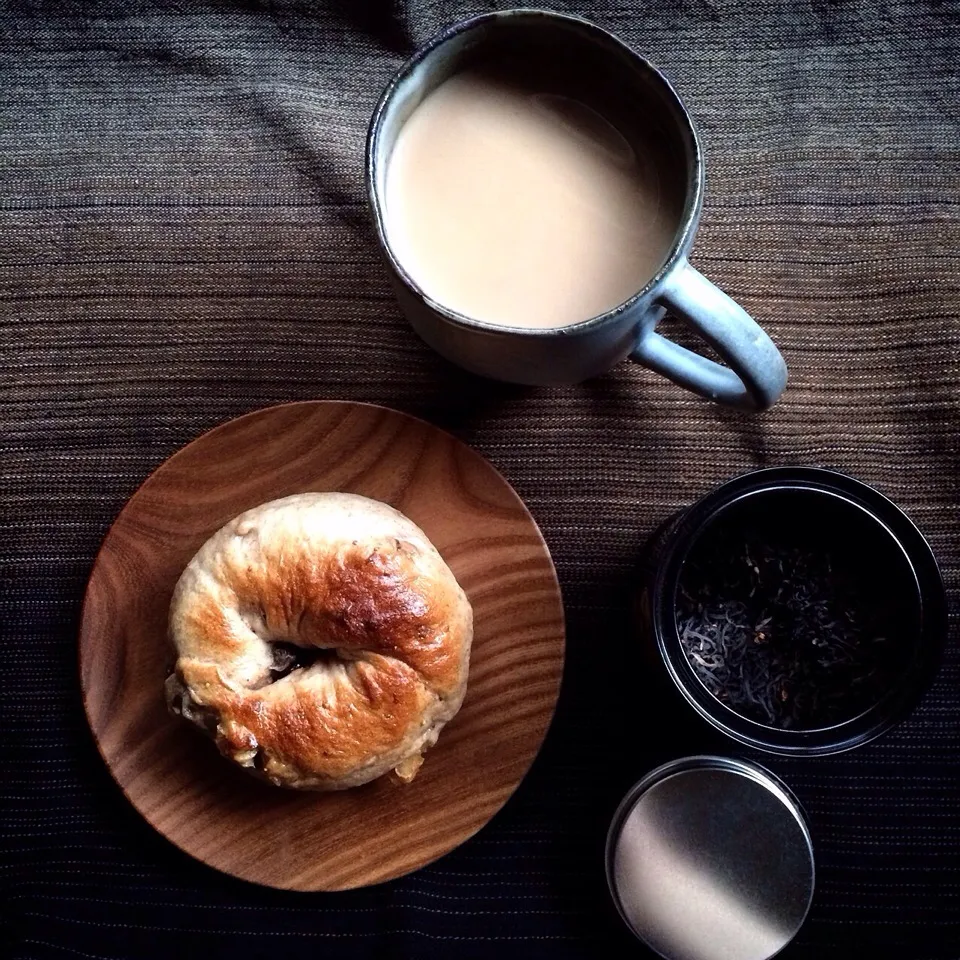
(326, 572)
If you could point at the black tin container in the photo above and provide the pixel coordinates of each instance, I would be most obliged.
(843, 514)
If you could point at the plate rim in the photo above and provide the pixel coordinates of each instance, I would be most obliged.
(82, 641)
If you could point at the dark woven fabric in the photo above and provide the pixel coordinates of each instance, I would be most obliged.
(183, 238)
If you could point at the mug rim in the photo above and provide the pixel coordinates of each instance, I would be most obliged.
(689, 216)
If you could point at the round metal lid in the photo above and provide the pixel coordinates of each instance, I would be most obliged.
(710, 858)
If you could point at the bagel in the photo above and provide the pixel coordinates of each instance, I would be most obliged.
(321, 641)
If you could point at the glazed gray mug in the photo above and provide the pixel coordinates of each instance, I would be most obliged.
(604, 71)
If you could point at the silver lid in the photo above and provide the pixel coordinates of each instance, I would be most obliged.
(710, 858)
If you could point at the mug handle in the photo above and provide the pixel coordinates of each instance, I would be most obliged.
(757, 374)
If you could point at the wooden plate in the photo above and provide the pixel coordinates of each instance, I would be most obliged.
(175, 777)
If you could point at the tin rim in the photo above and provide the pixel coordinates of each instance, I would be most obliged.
(745, 768)
(927, 584)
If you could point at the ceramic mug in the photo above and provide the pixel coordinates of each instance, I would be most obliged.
(620, 81)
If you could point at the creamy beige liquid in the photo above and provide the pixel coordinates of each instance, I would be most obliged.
(516, 206)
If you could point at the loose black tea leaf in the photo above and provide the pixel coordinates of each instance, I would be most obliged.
(783, 635)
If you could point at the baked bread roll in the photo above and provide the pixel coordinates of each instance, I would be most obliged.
(321, 641)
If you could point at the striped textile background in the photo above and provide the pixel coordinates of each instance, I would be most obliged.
(183, 238)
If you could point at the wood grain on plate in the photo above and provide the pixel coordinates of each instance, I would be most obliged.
(310, 841)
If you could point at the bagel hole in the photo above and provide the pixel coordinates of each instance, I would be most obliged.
(288, 657)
